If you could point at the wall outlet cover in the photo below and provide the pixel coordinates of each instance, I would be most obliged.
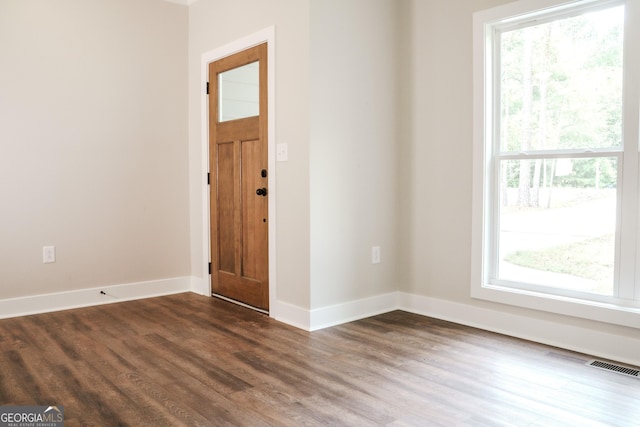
(375, 255)
(48, 254)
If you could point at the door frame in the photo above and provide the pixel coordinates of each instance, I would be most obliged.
(266, 35)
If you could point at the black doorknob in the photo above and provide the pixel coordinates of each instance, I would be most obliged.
(261, 192)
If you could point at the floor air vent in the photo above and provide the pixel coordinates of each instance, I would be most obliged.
(615, 368)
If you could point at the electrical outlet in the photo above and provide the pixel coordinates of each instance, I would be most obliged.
(48, 254)
(375, 255)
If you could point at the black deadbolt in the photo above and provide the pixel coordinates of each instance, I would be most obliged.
(263, 173)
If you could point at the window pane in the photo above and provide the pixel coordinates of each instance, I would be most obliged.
(239, 92)
(557, 223)
(561, 83)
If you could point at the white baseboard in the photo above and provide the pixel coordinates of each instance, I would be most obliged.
(353, 310)
(290, 314)
(200, 286)
(596, 343)
(601, 344)
(313, 320)
(36, 304)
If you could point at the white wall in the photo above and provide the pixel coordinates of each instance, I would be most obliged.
(93, 153)
(216, 23)
(353, 149)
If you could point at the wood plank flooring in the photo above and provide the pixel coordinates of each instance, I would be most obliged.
(196, 361)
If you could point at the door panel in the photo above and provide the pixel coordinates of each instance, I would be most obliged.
(226, 178)
(239, 193)
(253, 226)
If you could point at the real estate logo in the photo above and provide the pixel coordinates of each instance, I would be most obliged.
(31, 416)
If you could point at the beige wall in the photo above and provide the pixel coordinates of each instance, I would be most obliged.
(93, 154)
(216, 23)
(438, 146)
(439, 160)
(373, 98)
(336, 196)
(353, 149)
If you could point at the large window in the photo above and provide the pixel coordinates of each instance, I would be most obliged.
(556, 157)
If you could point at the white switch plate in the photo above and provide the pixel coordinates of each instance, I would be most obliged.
(282, 152)
(48, 254)
(375, 255)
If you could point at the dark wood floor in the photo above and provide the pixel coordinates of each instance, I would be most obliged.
(191, 360)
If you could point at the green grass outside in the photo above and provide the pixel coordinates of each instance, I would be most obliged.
(591, 259)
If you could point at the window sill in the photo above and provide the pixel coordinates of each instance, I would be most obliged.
(591, 310)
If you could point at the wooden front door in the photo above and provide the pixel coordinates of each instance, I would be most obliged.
(238, 177)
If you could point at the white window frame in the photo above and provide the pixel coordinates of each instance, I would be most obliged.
(623, 309)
